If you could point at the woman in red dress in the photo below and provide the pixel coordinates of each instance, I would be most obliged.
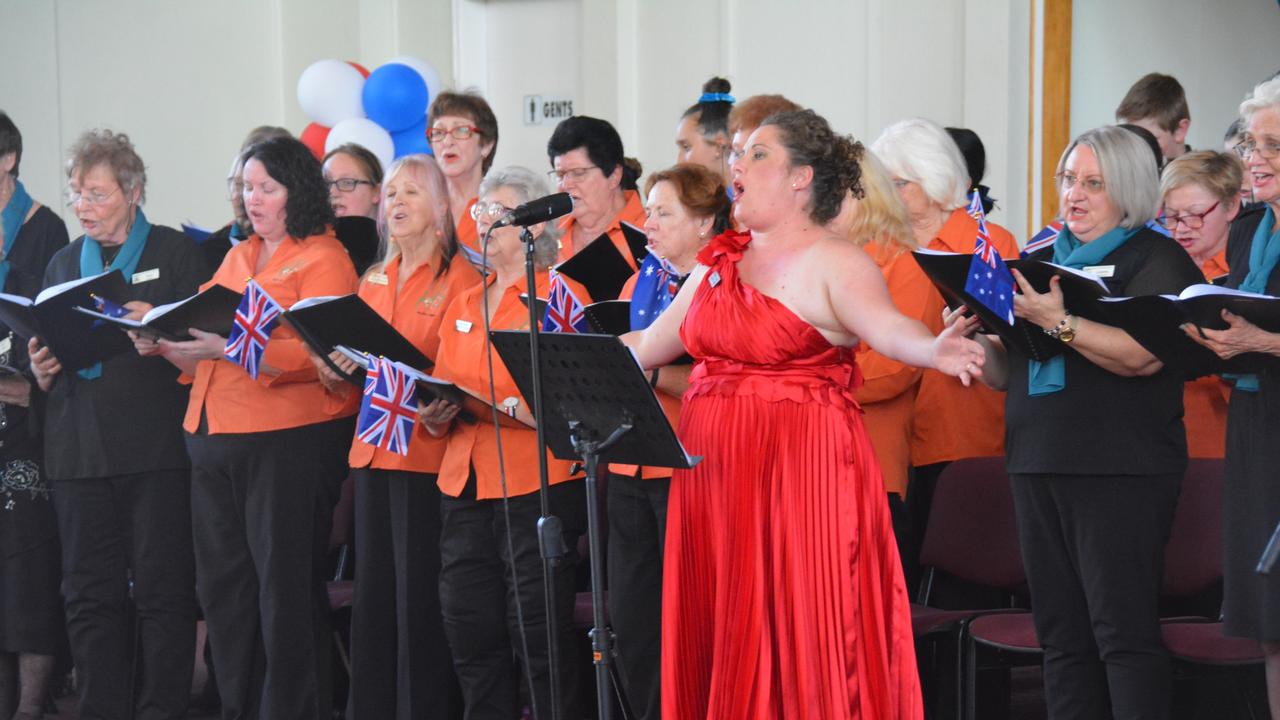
(783, 594)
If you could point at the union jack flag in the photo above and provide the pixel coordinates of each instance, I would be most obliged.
(989, 281)
(389, 408)
(564, 312)
(1043, 238)
(255, 319)
(106, 307)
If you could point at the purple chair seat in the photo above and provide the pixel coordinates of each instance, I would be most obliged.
(1204, 643)
(1006, 631)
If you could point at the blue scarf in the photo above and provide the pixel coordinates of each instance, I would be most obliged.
(656, 286)
(1263, 255)
(1050, 376)
(126, 262)
(15, 212)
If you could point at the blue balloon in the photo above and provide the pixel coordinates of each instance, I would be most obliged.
(395, 97)
(412, 139)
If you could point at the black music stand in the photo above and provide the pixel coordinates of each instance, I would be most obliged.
(598, 405)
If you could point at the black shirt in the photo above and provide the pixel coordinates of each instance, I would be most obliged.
(130, 419)
(1102, 423)
(37, 241)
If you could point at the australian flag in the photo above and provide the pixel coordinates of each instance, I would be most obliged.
(989, 281)
(655, 288)
(255, 319)
(564, 312)
(389, 408)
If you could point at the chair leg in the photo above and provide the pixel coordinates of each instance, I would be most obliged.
(970, 672)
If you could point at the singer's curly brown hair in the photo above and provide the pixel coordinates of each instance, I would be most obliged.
(835, 159)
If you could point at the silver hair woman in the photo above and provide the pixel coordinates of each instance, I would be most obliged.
(115, 451)
(525, 185)
(1250, 505)
(1095, 443)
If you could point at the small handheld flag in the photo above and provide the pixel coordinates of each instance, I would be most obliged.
(389, 408)
(564, 312)
(255, 319)
(989, 280)
(655, 288)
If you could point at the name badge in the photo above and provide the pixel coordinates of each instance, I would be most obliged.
(463, 326)
(377, 278)
(1100, 271)
(145, 275)
(509, 405)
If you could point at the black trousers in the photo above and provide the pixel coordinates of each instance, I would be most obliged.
(1093, 547)
(115, 529)
(262, 506)
(479, 597)
(401, 667)
(637, 533)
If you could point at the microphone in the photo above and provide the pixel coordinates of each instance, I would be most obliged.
(537, 211)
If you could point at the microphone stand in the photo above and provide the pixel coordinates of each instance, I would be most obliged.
(550, 528)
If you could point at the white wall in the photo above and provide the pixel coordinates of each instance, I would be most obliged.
(1217, 50)
(862, 63)
(186, 79)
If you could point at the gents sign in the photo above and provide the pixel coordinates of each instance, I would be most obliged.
(546, 109)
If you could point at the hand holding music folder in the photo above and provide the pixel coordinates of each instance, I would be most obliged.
(77, 340)
(472, 408)
(1080, 292)
(1156, 321)
(211, 310)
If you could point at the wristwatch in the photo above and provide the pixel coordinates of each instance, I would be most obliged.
(1065, 330)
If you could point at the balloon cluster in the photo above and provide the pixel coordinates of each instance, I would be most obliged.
(384, 111)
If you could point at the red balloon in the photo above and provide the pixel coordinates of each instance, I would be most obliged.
(313, 137)
(363, 70)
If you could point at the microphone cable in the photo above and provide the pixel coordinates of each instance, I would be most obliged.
(502, 474)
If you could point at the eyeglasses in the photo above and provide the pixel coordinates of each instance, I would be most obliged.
(91, 198)
(462, 132)
(574, 174)
(1193, 221)
(347, 184)
(1266, 150)
(1091, 185)
(489, 212)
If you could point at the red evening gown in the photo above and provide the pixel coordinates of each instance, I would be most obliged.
(783, 594)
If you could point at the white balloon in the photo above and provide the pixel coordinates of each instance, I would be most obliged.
(426, 70)
(329, 92)
(365, 133)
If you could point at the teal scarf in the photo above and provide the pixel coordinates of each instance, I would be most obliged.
(1263, 255)
(126, 262)
(1050, 376)
(15, 212)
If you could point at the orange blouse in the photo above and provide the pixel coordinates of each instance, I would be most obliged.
(465, 228)
(889, 388)
(415, 311)
(1204, 400)
(233, 402)
(461, 359)
(670, 405)
(952, 421)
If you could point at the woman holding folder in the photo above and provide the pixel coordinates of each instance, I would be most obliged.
(268, 453)
(1251, 500)
(1094, 442)
(114, 453)
(491, 568)
(400, 661)
(1201, 196)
